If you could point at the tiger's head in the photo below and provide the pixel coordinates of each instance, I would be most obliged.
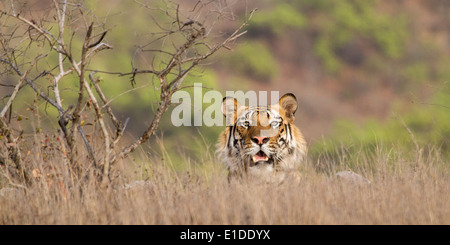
(261, 140)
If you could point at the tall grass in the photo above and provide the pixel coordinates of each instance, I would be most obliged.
(406, 188)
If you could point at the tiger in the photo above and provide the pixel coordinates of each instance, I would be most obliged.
(262, 142)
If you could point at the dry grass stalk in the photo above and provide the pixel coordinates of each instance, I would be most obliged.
(201, 194)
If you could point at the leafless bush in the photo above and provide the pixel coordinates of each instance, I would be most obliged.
(73, 34)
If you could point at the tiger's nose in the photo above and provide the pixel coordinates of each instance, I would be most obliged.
(260, 140)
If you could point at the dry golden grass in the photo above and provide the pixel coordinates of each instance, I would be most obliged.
(402, 191)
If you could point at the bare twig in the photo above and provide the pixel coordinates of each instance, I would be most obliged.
(19, 84)
(61, 20)
(32, 85)
(104, 100)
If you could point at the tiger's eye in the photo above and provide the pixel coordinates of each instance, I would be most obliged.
(275, 124)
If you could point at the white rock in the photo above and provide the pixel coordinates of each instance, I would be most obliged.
(351, 177)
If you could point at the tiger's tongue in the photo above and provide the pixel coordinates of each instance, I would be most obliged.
(260, 156)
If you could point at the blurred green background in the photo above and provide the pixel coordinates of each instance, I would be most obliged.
(358, 69)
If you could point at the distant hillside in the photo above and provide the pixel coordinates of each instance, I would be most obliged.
(344, 59)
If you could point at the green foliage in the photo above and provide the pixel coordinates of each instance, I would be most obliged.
(427, 122)
(324, 50)
(254, 59)
(278, 20)
(443, 71)
(430, 121)
(390, 33)
(417, 72)
(341, 22)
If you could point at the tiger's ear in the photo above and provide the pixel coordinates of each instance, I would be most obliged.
(289, 105)
(230, 107)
